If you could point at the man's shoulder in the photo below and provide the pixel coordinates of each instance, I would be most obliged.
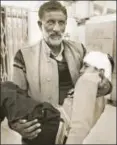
(71, 42)
(77, 46)
(31, 46)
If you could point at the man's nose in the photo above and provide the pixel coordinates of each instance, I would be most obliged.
(56, 27)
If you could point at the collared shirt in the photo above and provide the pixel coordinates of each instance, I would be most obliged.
(58, 57)
(65, 81)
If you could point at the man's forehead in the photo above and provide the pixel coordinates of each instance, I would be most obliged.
(56, 15)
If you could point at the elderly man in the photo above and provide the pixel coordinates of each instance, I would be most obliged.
(47, 70)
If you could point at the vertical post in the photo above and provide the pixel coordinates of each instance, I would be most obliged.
(5, 49)
(105, 8)
(83, 9)
(91, 8)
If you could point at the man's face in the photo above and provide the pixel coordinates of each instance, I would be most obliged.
(53, 27)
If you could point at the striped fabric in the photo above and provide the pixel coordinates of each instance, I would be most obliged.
(19, 61)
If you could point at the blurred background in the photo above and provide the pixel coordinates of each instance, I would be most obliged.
(91, 22)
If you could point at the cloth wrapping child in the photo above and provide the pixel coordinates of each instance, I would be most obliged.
(17, 105)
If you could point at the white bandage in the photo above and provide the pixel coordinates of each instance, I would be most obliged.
(99, 60)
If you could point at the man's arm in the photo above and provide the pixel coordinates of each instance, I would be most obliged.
(23, 127)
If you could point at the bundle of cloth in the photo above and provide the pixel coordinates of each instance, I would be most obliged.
(16, 104)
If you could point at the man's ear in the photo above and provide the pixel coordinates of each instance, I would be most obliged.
(39, 24)
(111, 61)
(101, 73)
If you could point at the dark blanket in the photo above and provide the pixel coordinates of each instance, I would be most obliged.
(16, 104)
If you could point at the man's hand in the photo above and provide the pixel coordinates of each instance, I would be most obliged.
(28, 130)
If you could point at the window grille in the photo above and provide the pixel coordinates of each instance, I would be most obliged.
(14, 34)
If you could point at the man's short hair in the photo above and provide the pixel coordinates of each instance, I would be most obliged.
(51, 6)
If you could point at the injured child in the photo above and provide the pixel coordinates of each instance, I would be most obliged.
(86, 108)
(16, 104)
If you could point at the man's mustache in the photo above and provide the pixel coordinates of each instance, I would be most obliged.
(56, 34)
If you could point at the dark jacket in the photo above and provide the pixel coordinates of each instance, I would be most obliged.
(15, 104)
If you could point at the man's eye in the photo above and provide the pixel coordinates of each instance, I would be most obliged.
(62, 22)
(50, 22)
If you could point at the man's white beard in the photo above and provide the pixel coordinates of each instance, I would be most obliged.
(53, 42)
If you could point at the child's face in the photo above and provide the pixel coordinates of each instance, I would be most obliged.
(104, 85)
(86, 67)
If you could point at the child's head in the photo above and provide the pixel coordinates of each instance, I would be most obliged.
(103, 63)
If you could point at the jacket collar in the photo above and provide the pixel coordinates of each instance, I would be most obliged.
(49, 51)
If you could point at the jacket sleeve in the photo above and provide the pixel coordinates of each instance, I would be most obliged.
(84, 50)
(19, 71)
(81, 49)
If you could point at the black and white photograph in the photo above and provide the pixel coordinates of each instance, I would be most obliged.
(58, 72)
